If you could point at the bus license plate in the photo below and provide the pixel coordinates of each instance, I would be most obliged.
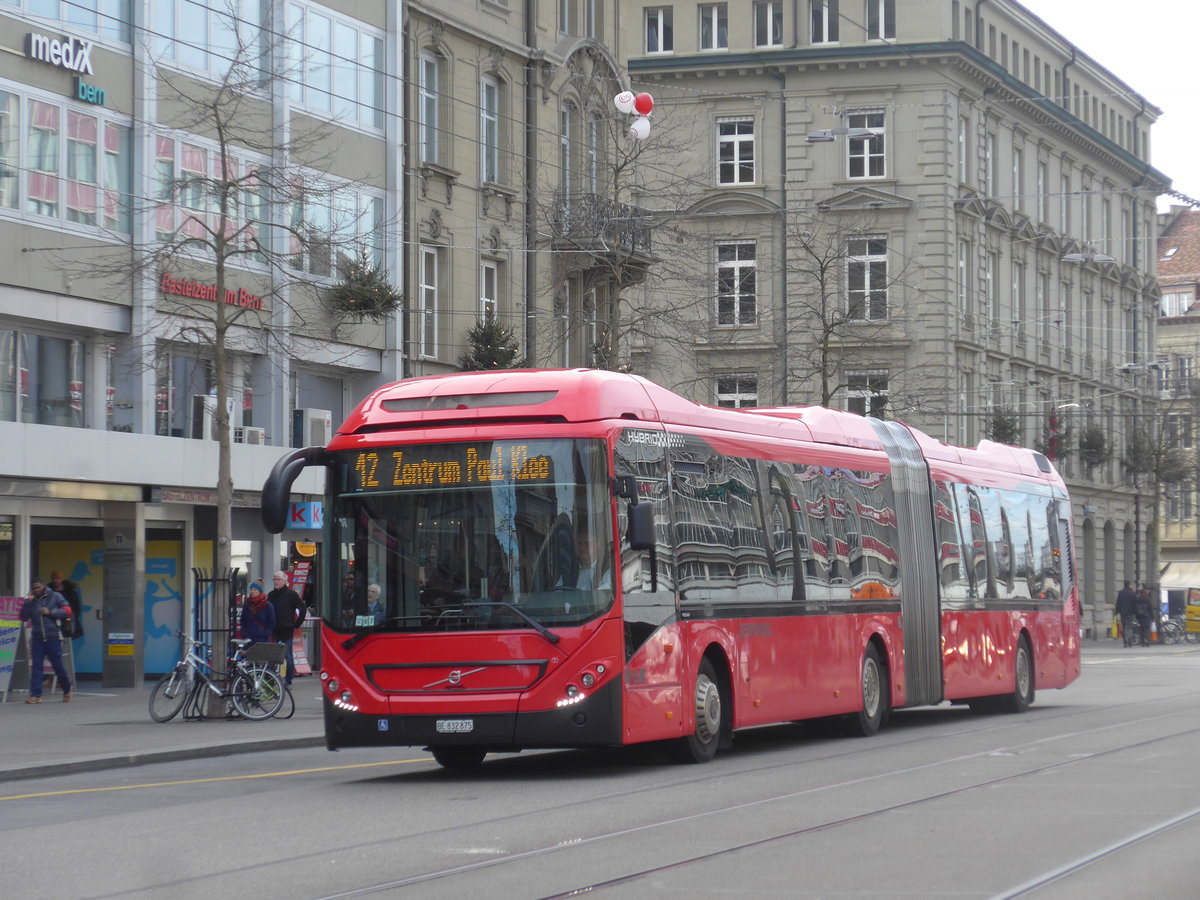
(455, 726)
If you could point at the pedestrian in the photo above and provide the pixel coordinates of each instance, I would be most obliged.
(70, 592)
(258, 616)
(44, 610)
(1127, 612)
(1143, 613)
(289, 613)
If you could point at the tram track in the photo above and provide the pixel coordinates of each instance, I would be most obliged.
(632, 878)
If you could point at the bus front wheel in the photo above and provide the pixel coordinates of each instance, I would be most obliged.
(875, 692)
(701, 745)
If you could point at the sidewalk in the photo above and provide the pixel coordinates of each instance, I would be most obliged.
(105, 728)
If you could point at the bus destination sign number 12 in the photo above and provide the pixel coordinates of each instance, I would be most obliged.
(455, 465)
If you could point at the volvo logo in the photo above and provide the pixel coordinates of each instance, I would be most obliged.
(454, 677)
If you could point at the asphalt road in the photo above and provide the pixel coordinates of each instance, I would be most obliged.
(1092, 793)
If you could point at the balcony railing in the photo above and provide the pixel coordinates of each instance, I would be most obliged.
(593, 222)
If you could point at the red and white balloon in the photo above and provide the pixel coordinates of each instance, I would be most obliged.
(640, 105)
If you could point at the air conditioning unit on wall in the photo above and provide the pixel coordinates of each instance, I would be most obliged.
(311, 427)
(248, 435)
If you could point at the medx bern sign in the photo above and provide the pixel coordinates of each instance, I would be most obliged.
(69, 53)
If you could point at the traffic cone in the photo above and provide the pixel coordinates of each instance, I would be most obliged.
(1153, 632)
(1116, 631)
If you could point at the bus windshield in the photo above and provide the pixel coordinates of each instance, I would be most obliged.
(470, 536)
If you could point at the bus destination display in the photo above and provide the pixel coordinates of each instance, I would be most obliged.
(454, 465)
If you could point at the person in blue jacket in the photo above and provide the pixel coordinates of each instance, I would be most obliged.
(258, 616)
(45, 610)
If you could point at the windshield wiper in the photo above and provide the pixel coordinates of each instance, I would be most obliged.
(520, 614)
(359, 635)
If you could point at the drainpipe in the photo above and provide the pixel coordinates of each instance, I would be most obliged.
(531, 174)
(783, 242)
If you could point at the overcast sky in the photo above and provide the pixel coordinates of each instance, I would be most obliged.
(1151, 46)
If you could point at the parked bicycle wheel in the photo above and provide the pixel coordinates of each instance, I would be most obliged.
(1171, 632)
(258, 694)
(169, 695)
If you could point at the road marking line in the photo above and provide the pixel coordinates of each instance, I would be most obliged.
(155, 784)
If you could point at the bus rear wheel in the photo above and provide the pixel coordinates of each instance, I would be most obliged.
(701, 745)
(459, 759)
(875, 692)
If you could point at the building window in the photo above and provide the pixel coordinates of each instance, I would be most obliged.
(568, 13)
(660, 35)
(989, 164)
(768, 23)
(78, 166)
(427, 303)
(867, 393)
(1018, 293)
(1064, 203)
(824, 21)
(881, 20)
(339, 223)
(1178, 431)
(41, 379)
(1182, 374)
(964, 126)
(735, 151)
(866, 278)
(336, 65)
(1042, 316)
(865, 157)
(593, 155)
(964, 277)
(991, 297)
(737, 284)
(428, 107)
(110, 19)
(213, 40)
(737, 390)
(489, 130)
(489, 290)
(1175, 303)
(1018, 178)
(714, 26)
(566, 125)
(1043, 177)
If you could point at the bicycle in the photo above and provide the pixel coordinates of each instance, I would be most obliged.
(250, 686)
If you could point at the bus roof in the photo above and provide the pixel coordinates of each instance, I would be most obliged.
(588, 395)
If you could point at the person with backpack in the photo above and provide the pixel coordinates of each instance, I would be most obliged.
(44, 609)
(70, 593)
(1143, 613)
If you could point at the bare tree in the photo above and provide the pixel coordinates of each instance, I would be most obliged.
(248, 205)
(605, 220)
(847, 293)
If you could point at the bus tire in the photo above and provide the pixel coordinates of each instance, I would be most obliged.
(1023, 688)
(875, 692)
(459, 759)
(701, 745)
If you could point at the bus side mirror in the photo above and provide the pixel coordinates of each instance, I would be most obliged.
(641, 535)
(641, 526)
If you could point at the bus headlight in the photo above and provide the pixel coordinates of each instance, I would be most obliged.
(588, 679)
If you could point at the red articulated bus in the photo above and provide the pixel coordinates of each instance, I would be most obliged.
(580, 558)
